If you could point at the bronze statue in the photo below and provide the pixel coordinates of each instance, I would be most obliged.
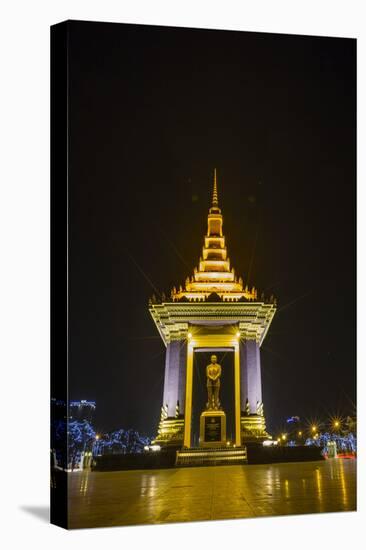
(213, 373)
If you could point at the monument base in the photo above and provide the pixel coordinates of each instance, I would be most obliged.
(170, 433)
(211, 457)
(253, 428)
(212, 429)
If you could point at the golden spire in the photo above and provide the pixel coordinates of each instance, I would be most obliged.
(214, 273)
(215, 200)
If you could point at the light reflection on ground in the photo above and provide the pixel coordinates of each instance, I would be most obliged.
(220, 492)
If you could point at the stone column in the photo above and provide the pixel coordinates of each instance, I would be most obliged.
(188, 397)
(182, 376)
(237, 394)
(174, 378)
(250, 375)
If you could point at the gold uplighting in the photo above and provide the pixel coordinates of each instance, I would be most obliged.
(214, 310)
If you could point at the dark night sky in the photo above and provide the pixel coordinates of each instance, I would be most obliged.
(152, 111)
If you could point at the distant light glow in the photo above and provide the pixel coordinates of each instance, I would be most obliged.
(153, 448)
(293, 419)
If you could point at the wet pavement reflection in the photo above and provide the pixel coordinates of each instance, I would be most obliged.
(208, 493)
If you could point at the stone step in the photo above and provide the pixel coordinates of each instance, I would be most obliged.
(197, 456)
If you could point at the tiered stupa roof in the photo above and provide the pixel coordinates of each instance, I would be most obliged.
(214, 276)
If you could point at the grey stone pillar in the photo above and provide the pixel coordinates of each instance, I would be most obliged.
(250, 375)
(182, 376)
(174, 377)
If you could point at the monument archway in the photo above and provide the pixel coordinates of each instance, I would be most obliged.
(210, 343)
(200, 391)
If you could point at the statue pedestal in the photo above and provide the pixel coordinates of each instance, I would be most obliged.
(212, 429)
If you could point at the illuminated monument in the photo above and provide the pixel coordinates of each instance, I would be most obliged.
(213, 312)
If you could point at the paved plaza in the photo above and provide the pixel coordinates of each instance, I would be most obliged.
(135, 497)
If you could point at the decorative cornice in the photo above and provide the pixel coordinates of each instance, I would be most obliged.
(173, 319)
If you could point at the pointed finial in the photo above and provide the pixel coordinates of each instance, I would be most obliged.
(215, 200)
